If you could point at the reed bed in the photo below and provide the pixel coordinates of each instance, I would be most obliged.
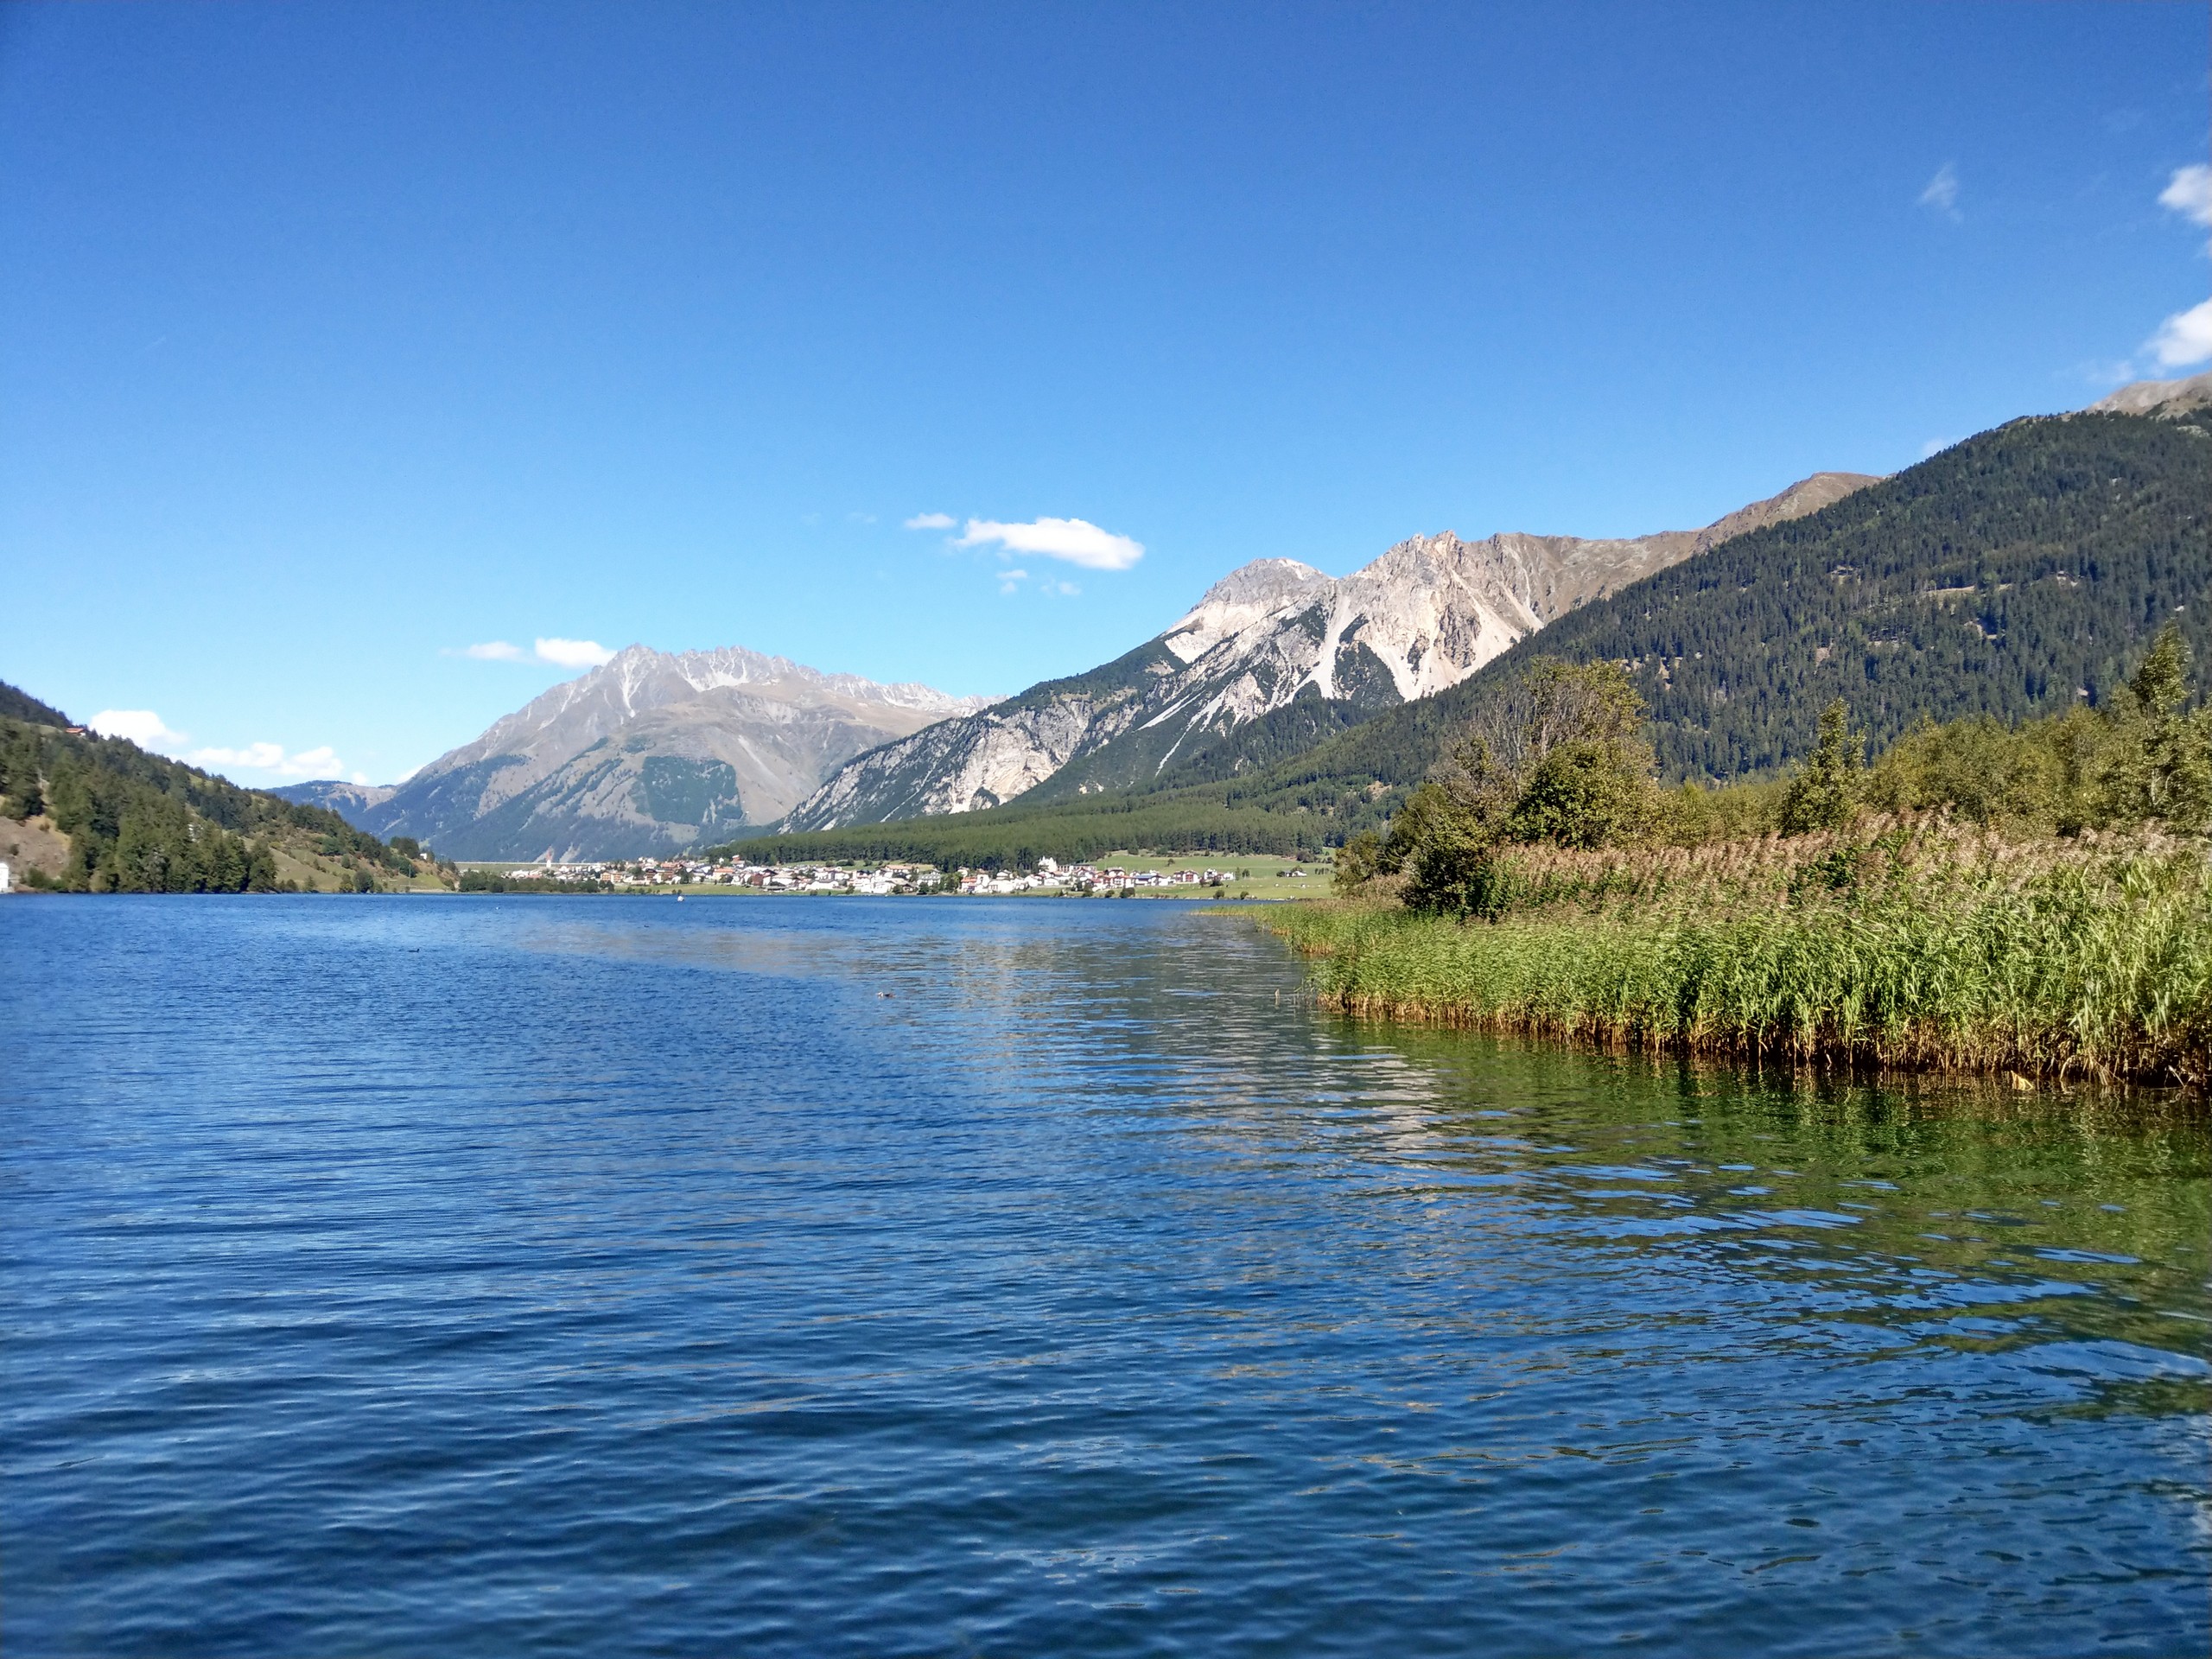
(1920, 947)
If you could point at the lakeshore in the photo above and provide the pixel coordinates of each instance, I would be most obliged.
(1913, 945)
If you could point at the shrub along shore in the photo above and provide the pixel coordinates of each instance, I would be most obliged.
(2035, 900)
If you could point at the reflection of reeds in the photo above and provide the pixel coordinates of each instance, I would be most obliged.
(1921, 946)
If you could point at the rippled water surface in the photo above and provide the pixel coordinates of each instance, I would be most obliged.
(493, 1276)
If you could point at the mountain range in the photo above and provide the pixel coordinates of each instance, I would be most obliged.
(651, 753)
(1281, 672)
(1269, 637)
(2019, 573)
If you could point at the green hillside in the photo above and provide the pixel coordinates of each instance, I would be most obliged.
(89, 814)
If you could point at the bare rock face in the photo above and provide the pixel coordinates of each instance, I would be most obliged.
(1423, 617)
(2165, 399)
(649, 753)
(959, 766)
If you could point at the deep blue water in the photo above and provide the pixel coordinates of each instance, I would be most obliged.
(495, 1277)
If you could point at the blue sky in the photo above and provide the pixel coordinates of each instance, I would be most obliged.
(336, 339)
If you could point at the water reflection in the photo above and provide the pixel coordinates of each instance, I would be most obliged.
(1020, 1277)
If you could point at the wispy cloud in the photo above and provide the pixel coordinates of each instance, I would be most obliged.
(1942, 191)
(1075, 540)
(2184, 339)
(564, 654)
(320, 762)
(1935, 446)
(141, 725)
(573, 653)
(2188, 193)
(930, 521)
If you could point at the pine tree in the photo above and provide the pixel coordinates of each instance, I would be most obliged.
(1824, 795)
(2159, 768)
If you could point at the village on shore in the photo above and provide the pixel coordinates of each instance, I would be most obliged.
(891, 879)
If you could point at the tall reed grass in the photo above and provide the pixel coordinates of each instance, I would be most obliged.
(1920, 947)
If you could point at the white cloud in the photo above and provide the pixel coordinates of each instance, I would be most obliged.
(567, 653)
(1013, 575)
(145, 728)
(257, 756)
(1935, 446)
(322, 762)
(573, 653)
(930, 521)
(2184, 338)
(2188, 193)
(141, 725)
(1942, 191)
(1072, 539)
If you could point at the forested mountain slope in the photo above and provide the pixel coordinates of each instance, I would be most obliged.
(2012, 575)
(21, 705)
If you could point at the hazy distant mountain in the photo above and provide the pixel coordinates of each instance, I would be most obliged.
(349, 801)
(652, 752)
(2167, 400)
(1274, 641)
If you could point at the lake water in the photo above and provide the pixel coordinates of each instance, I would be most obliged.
(837, 1277)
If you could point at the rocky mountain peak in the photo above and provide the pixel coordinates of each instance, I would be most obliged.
(646, 752)
(2167, 399)
(1243, 597)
